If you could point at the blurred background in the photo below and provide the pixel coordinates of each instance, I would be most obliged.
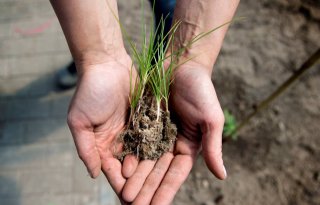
(274, 161)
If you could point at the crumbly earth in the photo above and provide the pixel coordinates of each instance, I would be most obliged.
(146, 136)
(276, 158)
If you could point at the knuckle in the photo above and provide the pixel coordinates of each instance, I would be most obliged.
(72, 120)
(214, 119)
(220, 118)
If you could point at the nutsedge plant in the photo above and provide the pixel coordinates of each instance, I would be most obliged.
(149, 131)
(150, 60)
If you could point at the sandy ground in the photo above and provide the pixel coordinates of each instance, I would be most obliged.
(276, 158)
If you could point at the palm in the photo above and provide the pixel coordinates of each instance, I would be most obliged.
(200, 116)
(97, 114)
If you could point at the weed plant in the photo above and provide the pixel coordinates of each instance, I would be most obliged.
(149, 131)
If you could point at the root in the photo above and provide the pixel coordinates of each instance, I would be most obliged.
(150, 133)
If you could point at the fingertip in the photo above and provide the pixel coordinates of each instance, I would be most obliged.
(93, 164)
(128, 195)
(94, 173)
(129, 166)
(216, 166)
(212, 149)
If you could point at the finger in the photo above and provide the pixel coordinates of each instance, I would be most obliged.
(129, 165)
(136, 181)
(87, 151)
(153, 180)
(177, 173)
(111, 167)
(212, 148)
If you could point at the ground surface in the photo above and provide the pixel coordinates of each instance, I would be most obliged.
(38, 161)
(275, 160)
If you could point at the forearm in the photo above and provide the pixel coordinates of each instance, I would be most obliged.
(200, 16)
(91, 30)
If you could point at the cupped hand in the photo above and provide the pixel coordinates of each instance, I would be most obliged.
(97, 114)
(200, 123)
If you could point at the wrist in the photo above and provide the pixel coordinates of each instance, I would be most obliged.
(203, 52)
(96, 55)
(197, 33)
(192, 66)
(91, 59)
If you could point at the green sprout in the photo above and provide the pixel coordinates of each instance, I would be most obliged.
(230, 125)
(161, 78)
(155, 65)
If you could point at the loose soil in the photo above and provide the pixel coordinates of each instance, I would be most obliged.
(276, 158)
(149, 134)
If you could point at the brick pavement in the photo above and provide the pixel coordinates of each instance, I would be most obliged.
(38, 161)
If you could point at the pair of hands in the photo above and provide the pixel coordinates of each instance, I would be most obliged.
(98, 113)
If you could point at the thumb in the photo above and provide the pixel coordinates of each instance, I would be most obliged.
(212, 146)
(84, 139)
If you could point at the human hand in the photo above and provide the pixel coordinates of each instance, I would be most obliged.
(98, 113)
(200, 124)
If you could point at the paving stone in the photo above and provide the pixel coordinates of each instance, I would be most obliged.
(16, 47)
(6, 10)
(25, 28)
(86, 199)
(19, 157)
(40, 8)
(3, 68)
(29, 65)
(9, 187)
(51, 43)
(27, 108)
(60, 155)
(82, 182)
(49, 181)
(47, 130)
(107, 195)
(61, 60)
(3, 109)
(47, 199)
(26, 86)
(60, 104)
(5, 29)
(12, 10)
(12, 133)
(38, 160)
(10, 200)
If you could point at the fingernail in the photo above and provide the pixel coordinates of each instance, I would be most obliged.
(225, 172)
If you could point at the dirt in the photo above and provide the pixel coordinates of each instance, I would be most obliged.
(148, 134)
(276, 158)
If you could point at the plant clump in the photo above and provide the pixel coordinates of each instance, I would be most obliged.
(149, 132)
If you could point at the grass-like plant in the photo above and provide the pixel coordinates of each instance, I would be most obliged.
(230, 125)
(149, 131)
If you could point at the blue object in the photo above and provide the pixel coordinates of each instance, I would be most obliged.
(164, 8)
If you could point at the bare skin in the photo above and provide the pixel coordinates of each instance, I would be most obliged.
(99, 107)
